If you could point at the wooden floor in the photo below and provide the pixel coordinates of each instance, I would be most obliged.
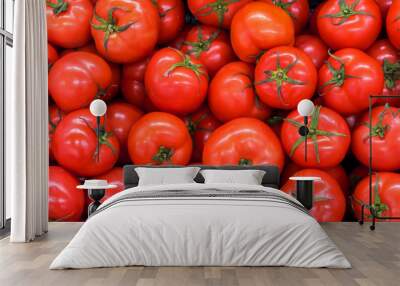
(375, 257)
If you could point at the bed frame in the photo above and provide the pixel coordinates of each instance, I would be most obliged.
(270, 179)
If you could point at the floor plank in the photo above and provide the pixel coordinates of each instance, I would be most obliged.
(375, 257)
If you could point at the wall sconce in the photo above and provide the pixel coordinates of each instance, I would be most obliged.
(305, 108)
(98, 108)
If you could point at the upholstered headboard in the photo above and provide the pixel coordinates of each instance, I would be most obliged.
(271, 177)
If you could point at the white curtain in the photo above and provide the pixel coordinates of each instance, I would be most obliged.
(26, 123)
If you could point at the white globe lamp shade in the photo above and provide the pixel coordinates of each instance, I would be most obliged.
(98, 107)
(305, 107)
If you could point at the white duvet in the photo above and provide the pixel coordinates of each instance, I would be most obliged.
(203, 231)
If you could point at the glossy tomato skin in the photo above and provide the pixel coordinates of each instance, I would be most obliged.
(386, 186)
(137, 26)
(120, 117)
(160, 138)
(298, 10)
(363, 76)
(77, 78)
(389, 58)
(205, 13)
(260, 26)
(66, 202)
(231, 94)
(210, 46)
(55, 117)
(52, 55)
(284, 76)
(75, 144)
(393, 24)
(172, 19)
(356, 31)
(243, 141)
(329, 202)
(114, 177)
(201, 125)
(314, 47)
(69, 28)
(385, 139)
(175, 83)
(332, 146)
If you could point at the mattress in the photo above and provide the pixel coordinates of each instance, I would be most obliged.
(201, 225)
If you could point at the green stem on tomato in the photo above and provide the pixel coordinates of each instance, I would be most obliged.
(59, 7)
(109, 26)
(219, 7)
(346, 11)
(245, 162)
(164, 154)
(202, 44)
(280, 76)
(313, 134)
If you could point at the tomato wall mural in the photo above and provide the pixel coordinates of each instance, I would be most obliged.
(218, 82)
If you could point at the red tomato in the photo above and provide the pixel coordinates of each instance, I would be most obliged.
(200, 125)
(260, 26)
(385, 139)
(172, 19)
(329, 201)
(243, 141)
(120, 118)
(210, 46)
(217, 13)
(125, 31)
(393, 24)
(52, 55)
(389, 58)
(159, 138)
(66, 202)
(327, 142)
(284, 76)
(314, 47)
(78, 78)
(113, 177)
(298, 10)
(111, 91)
(385, 195)
(132, 84)
(347, 80)
(68, 22)
(349, 23)
(75, 144)
(175, 83)
(232, 94)
(55, 117)
(337, 172)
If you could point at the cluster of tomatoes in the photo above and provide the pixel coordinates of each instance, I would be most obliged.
(217, 82)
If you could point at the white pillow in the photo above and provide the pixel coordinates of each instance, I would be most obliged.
(166, 176)
(248, 177)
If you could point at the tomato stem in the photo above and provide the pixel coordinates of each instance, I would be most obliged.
(338, 75)
(285, 6)
(193, 125)
(201, 44)
(391, 72)
(58, 7)
(346, 11)
(219, 7)
(280, 76)
(313, 134)
(164, 154)
(245, 162)
(186, 63)
(109, 25)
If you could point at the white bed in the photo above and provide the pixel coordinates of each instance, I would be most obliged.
(201, 225)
